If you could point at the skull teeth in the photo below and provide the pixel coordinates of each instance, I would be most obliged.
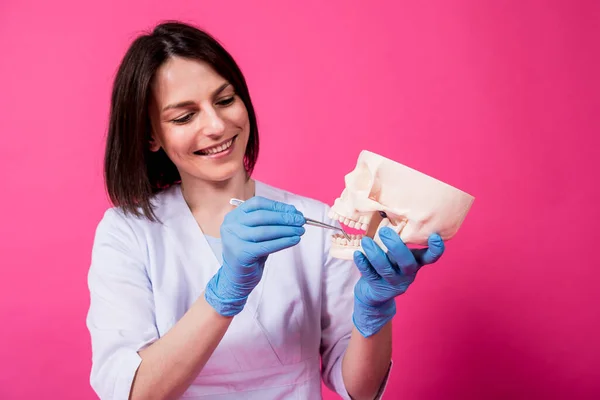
(340, 240)
(352, 223)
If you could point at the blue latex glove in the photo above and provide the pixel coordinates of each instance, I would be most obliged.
(385, 276)
(249, 233)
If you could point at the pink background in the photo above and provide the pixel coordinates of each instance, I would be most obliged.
(497, 98)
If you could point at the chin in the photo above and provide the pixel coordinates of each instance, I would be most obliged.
(224, 173)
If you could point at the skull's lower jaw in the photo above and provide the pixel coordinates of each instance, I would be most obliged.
(343, 252)
(343, 249)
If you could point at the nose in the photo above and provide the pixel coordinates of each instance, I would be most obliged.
(211, 122)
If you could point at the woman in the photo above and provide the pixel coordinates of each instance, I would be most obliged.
(192, 297)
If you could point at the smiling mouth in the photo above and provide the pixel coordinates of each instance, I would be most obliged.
(220, 148)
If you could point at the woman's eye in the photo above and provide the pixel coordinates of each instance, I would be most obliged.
(184, 119)
(226, 102)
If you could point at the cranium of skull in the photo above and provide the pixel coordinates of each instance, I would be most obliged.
(380, 192)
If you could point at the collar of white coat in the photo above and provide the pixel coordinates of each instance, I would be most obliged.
(170, 203)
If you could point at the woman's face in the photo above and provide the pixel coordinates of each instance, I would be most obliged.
(198, 120)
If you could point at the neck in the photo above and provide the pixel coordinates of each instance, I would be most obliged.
(212, 198)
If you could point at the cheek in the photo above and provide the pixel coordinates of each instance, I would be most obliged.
(178, 139)
(239, 116)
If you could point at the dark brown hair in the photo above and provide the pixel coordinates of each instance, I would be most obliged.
(133, 173)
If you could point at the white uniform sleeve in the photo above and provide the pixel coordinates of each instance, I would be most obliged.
(121, 315)
(340, 276)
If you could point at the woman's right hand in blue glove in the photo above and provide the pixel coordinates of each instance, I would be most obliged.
(249, 233)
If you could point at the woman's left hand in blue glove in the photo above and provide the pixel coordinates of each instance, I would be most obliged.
(385, 276)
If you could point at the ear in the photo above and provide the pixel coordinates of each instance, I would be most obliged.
(154, 145)
(153, 139)
(153, 142)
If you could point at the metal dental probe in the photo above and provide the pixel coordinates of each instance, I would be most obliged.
(309, 221)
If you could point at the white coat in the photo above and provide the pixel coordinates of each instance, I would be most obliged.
(145, 275)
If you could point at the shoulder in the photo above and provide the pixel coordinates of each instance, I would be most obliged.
(117, 225)
(314, 208)
(116, 231)
(164, 205)
(123, 238)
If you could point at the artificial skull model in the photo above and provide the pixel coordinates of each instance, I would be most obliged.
(380, 192)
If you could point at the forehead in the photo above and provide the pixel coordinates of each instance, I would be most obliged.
(183, 79)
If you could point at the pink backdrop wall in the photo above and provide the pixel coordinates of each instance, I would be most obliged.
(497, 98)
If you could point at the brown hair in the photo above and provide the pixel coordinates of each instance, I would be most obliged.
(133, 173)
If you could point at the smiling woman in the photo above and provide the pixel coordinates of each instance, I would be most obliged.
(169, 84)
(189, 96)
(190, 296)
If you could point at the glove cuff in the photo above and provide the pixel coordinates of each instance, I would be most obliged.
(224, 305)
(369, 320)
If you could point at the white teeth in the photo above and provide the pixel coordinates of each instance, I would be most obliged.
(360, 223)
(340, 240)
(217, 149)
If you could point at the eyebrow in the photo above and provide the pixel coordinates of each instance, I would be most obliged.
(188, 103)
